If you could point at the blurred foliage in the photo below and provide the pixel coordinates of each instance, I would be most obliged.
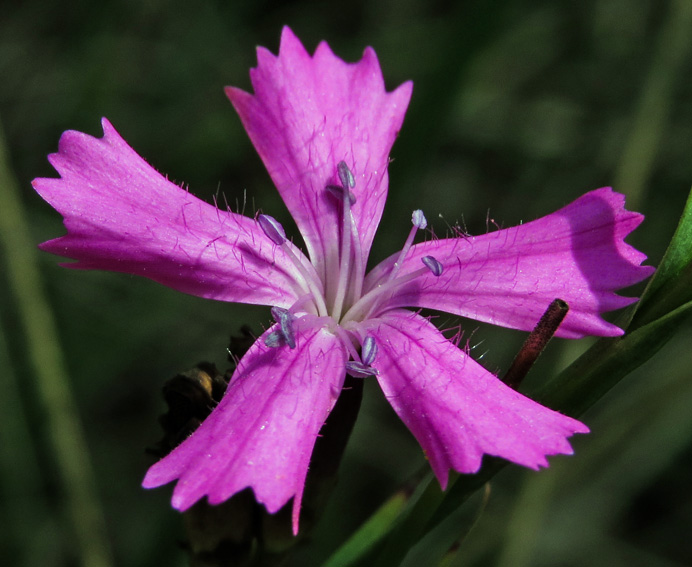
(518, 108)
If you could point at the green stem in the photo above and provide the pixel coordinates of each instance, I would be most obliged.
(654, 105)
(19, 466)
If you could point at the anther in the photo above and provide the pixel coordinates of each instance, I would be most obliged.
(278, 312)
(433, 265)
(418, 219)
(285, 319)
(359, 370)
(275, 339)
(345, 175)
(369, 350)
(272, 228)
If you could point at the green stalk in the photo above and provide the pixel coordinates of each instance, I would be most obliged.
(655, 103)
(62, 424)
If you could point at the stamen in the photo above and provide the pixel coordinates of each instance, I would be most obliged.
(275, 232)
(348, 181)
(366, 305)
(433, 265)
(419, 221)
(272, 228)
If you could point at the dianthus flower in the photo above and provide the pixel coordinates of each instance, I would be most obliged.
(324, 129)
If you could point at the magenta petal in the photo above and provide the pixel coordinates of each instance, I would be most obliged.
(124, 216)
(308, 114)
(509, 277)
(456, 409)
(262, 433)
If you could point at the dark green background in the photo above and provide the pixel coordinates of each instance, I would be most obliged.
(518, 108)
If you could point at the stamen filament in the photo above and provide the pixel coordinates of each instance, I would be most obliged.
(275, 232)
(402, 254)
(419, 221)
(345, 337)
(317, 294)
(301, 302)
(359, 267)
(365, 306)
(344, 260)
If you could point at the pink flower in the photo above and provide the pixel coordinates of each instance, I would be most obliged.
(324, 129)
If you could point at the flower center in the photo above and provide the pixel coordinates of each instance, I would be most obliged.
(340, 297)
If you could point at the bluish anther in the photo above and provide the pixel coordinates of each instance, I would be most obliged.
(359, 370)
(345, 175)
(275, 339)
(368, 354)
(272, 228)
(285, 319)
(285, 333)
(369, 350)
(433, 265)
